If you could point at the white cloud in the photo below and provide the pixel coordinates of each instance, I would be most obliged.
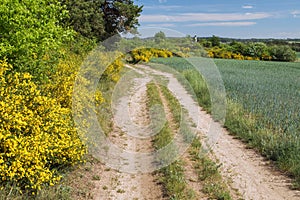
(161, 25)
(162, 7)
(202, 17)
(296, 13)
(162, 1)
(247, 7)
(223, 24)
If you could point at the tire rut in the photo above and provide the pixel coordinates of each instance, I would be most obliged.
(115, 184)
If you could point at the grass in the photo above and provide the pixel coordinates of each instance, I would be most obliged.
(60, 191)
(206, 169)
(262, 106)
(172, 178)
(298, 55)
(76, 182)
(173, 175)
(208, 173)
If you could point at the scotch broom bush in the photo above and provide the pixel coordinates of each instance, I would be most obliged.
(37, 135)
(145, 54)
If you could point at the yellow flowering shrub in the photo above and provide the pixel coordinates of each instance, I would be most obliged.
(36, 133)
(61, 84)
(113, 70)
(145, 54)
(237, 56)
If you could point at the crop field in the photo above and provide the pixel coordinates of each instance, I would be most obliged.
(269, 92)
(270, 89)
(298, 55)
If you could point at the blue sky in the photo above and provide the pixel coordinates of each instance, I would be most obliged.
(225, 18)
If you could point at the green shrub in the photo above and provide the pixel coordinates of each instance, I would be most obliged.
(31, 35)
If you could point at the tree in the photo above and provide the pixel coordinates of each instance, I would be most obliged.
(29, 31)
(238, 47)
(206, 43)
(120, 15)
(282, 53)
(215, 41)
(159, 37)
(85, 17)
(256, 50)
(101, 19)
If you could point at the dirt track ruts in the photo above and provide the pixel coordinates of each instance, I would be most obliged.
(247, 172)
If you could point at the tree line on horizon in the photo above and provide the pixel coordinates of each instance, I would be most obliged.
(250, 49)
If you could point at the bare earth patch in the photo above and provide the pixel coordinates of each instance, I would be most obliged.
(115, 184)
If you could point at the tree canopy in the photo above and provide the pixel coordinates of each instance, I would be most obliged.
(100, 19)
(29, 31)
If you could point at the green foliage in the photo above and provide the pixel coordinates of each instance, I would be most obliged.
(283, 53)
(193, 77)
(199, 87)
(101, 19)
(172, 178)
(182, 47)
(206, 169)
(159, 37)
(86, 18)
(215, 41)
(248, 51)
(256, 50)
(206, 43)
(31, 35)
(120, 15)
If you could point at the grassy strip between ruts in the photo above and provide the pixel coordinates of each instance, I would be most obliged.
(206, 169)
(173, 181)
(173, 175)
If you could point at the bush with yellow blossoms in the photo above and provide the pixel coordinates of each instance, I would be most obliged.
(145, 54)
(37, 134)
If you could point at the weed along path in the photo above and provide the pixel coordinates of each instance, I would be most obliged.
(132, 178)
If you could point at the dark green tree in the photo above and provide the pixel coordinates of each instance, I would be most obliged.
(101, 19)
(238, 47)
(283, 53)
(215, 41)
(85, 17)
(159, 37)
(206, 43)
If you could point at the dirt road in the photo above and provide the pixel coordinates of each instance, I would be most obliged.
(248, 174)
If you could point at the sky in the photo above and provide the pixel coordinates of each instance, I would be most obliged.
(224, 18)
